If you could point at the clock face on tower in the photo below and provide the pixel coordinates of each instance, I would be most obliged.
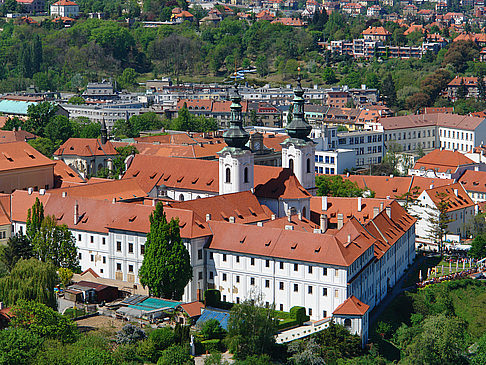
(256, 145)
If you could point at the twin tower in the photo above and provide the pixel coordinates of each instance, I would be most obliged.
(236, 172)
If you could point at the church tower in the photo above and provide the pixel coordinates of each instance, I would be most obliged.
(298, 151)
(235, 160)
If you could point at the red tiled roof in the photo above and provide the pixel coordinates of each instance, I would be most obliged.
(65, 3)
(85, 147)
(461, 201)
(297, 224)
(436, 119)
(352, 307)
(63, 174)
(442, 161)
(474, 181)
(468, 81)
(284, 186)
(378, 31)
(192, 309)
(15, 136)
(293, 22)
(20, 155)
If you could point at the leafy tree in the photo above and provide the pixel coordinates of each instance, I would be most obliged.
(128, 78)
(433, 84)
(166, 267)
(76, 100)
(18, 247)
(462, 90)
(44, 146)
(56, 244)
(261, 65)
(18, 346)
(130, 334)
(158, 340)
(418, 101)
(88, 129)
(481, 87)
(329, 76)
(477, 225)
(29, 280)
(43, 321)
(35, 216)
(460, 53)
(175, 355)
(478, 247)
(335, 185)
(388, 90)
(439, 220)
(306, 352)
(119, 162)
(60, 129)
(251, 329)
(13, 124)
(36, 54)
(65, 275)
(39, 116)
(211, 329)
(336, 342)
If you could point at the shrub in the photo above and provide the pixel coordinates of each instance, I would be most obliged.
(298, 313)
(157, 341)
(212, 297)
(211, 329)
(175, 355)
(210, 346)
(130, 334)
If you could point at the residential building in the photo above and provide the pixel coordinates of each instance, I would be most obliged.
(474, 182)
(369, 146)
(443, 164)
(100, 91)
(65, 8)
(376, 34)
(32, 6)
(470, 83)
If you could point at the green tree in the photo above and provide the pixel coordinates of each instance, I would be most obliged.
(158, 340)
(13, 124)
(88, 129)
(35, 216)
(175, 355)
(166, 267)
(481, 87)
(336, 342)
(478, 247)
(56, 244)
(335, 185)
(388, 90)
(29, 280)
(36, 54)
(18, 247)
(65, 275)
(127, 79)
(76, 100)
(44, 146)
(329, 76)
(43, 321)
(305, 352)
(39, 116)
(461, 90)
(211, 329)
(261, 64)
(18, 346)
(251, 329)
(459, 54)
(60, 129)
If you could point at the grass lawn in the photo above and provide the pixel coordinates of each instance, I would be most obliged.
(445, 270)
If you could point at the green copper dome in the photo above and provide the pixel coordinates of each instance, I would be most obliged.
(236, 136)
(298, 128)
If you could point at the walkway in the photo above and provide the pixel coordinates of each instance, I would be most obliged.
(302, 331)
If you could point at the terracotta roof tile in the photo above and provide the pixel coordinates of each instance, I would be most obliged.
(19, 155)
(85, 147)
(461, 201)
(352, 306)
(63, 174)
(474, 181)
(193, 309)
(442, 161)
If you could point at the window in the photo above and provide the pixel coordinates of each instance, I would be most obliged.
(347, 322)
(104, 259)
(237, 259)
(309, 290)
(142, 249)
(281, 265)
(199, 254)
(237, 300)
(324, 271)
(296, 288)
(308, 167)
(281, 285)
(224, 277)
(245, 174)
(336, 272)
(228, 175)
(310, 311)
(237, 278)
(92, 258)
(101, 271)
(324, 314)
(130, 247)
(310, 269)
(267, 283)
(91, 239)
(224, 257)
(199, 275)
(281, 307)
(181, 197)
(118, 246)
(252, 281)
(118, 267)
(130, 268)
(324, 292)
(296, 267)
(211, 275)
(336, 293)
(291, 164)
(210, 255)
(104, 240)
(79, 237)
(224, 298)
(252, 261)
(267, 263)
(79, 256)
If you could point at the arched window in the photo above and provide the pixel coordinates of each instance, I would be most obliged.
(291, 164)
(245, 174)
(228, 175)
(347, 322)
(308, 165)
(304, 212)
(181, 197)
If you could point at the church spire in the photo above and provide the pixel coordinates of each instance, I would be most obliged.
(104, 132)
(298, 128)
(236, 136)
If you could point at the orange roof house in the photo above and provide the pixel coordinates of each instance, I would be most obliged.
(443, 163)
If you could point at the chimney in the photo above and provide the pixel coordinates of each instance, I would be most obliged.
(260, 224)
(273, 217)
(360, 201)
(324, 203)
(456, 192)
(64, 194)
(232, 219)
(388, 211)
(76, 212)
(30, 191)
(42, 191)
(289, 215)
(388, 197)
(208, 217)
(289, 228)
(391, 176)
(349, 238)
(347, 174)
(340, 219)
(113, 201)
(376, 211)
(323, 221)
(299, 215)
(431, 186)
